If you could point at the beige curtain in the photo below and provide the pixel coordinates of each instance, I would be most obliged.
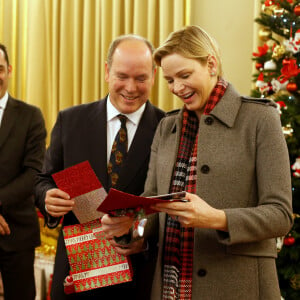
(58, 47)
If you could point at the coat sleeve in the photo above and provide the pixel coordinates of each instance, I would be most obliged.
(150, 188)
(272, 217)
(151, 230)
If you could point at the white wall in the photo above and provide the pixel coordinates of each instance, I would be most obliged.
(231, 23)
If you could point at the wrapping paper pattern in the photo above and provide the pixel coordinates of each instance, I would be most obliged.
(94, 263)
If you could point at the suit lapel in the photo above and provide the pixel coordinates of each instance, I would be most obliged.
(97, 136)
(10, 117)
(140, 148)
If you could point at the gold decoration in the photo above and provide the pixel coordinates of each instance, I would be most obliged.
(269, 10)
(264, 34)
(287, 130)
(282, 93)
(286, 31)
(279, 243)
(295, 282)
(278, 52)
(278, 11)
(48, 240)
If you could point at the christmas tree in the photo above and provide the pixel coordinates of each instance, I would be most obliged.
(277, 61)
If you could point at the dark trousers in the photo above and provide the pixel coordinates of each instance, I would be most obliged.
(17, 270)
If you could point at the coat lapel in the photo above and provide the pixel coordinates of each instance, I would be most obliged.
(10, 117)
(227, 109)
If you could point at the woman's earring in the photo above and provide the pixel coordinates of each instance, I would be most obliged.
(213, 73)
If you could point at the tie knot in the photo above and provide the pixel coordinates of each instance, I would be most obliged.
(123, 120)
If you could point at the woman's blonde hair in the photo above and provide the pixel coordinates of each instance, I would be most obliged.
(190, 42)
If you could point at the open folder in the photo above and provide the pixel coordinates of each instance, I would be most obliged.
(116, 200)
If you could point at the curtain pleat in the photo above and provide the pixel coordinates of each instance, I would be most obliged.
(58, 48)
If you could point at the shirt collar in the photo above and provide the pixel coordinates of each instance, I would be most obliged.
(3, 101)
(134, 117)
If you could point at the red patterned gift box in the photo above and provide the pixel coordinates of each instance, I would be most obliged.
(94, 263)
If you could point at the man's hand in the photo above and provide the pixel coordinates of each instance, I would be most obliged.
(4, 228)
(58, 203)
(116, 226)
(132, 248)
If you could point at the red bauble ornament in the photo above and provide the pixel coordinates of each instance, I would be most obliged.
(289, 241)
(258, 66)
(292, 87)
(297, 10)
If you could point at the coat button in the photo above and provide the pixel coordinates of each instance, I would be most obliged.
(201, 272)
(205, 169)
(209, 120)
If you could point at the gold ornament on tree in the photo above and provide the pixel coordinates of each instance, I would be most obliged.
(286, 31)
(48, 240)
(269, 9)
(278, 11)
(295, 281)
(264, 34)
(278, 52)
(287, 130)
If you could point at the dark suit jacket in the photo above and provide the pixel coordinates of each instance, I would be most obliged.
(78, 135)
(22, 148)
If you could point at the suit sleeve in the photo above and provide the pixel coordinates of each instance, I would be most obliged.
(21, 186)
(53, 162)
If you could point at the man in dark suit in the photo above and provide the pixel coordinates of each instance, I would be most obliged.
(86, 132)
(22, 148)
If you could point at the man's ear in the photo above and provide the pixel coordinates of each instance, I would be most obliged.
(9, 70)
(154, 73)
(106, 72)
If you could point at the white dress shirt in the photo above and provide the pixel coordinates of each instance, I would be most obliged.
(3, 102)
(114, 124)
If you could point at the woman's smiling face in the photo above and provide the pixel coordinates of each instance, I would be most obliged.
(189, 80)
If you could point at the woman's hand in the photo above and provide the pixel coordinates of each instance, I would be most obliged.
(194, 213)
